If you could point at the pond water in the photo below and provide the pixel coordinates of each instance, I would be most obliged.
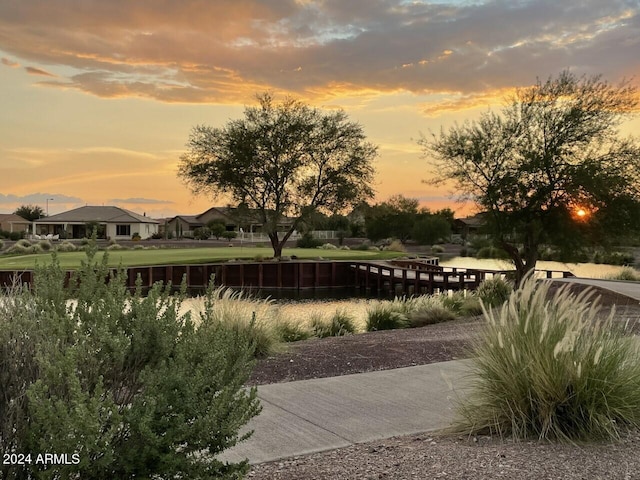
(587, 270)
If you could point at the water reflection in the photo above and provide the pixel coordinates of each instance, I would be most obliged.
(586, 270)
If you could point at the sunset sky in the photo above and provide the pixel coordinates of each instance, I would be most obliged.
(98, 97)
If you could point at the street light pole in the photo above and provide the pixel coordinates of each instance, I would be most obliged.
(48, 205)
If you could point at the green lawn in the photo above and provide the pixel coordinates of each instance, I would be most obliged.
(71, 260)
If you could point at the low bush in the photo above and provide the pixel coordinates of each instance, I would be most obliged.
(139, 247)
(85, 241)
(18, 249)
(117, 246)
(494, 291)
(290, 331)
(386, 316)
(436, 313)
(328, 246)
(24, 243)
(45, 245)
(35, 249)
(626, 274)
(66, 247)
(120, 380)
(14, 236)
(344, 247)
(362, 246)
(340, 323)
(552, 369)
(396, 246)
(437, 249)
(308, 241)
(253, 318)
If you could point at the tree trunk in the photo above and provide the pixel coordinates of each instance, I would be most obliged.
(276, 244)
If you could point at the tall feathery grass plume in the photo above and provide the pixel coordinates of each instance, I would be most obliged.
(552, 366)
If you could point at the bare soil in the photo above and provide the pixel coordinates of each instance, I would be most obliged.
(428, 456)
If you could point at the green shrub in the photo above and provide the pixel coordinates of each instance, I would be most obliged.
(1, 244)
(15, 235)
(308, 241)
(291, 331)
(85, 241)
(626, 274)
(385, 316)
(24, 243)
(430, 315)
(552, 369)
(123, 381)
(340, 323)
(396, 246)
(66, 247)
(18, 249)
(35, 249)
(45, 245)
(116, 246)
(362, 246)
(494, 291)
(328, 246)
(202, 233)
(229, 235)
(471, 306)
(437, 249)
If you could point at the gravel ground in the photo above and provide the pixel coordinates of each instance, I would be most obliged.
(429, 455)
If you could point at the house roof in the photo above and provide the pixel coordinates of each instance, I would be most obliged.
(101, 214)
(476, 220)
(12, 218)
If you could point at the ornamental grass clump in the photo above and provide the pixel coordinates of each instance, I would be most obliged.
(553, 368)
(494, 291)
(341, 323)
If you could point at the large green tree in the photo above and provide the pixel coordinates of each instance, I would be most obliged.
(30, 212)
(282, 160)
(554, 150)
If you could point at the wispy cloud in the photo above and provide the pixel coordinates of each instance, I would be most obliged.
(140, 201)
(9, 63)
(38, 71)
(224, 51)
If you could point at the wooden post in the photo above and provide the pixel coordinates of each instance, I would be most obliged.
(150, 274)
(279, 275)
(316, 276)
(260, 274)
(404, 282)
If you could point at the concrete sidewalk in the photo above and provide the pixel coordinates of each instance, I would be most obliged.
(630, 289)
(322, 414)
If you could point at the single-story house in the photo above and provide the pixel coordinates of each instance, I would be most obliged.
(470, 225)
(233, 218)
(111, 222)
(10, 222)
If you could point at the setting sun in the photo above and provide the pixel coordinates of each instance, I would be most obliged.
(581, 213)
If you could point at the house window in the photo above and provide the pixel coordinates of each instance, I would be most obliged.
(123, 230)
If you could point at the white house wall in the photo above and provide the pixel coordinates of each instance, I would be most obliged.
(146, 230)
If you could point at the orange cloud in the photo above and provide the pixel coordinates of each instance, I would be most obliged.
(9, 63)
(212, 52)
(37, 71)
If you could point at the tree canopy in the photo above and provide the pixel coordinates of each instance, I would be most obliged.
(30, 212)
(551, 167)
(282, 160)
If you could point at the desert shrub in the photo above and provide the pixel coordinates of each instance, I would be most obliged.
(494, 291)
(618, 258)
(552, 369)
(23, 243)
(362, 246)
(437, 249)
(396, 246)
(626, 274)
(435, 313)
(201, 233)
(139, 247)
(18, 249)
(308, 241)
(328, 246)
(254, 318)
(156, 236)
(344, 247)
(123, 381)
(116, 246)
(85, 241)
(291, 331)
(66, 247)
(471, 306)
(15, 235)
(229, 235)
(112, 241)
(45, 245)
(340, 323)
(386, 316)
(35, 249)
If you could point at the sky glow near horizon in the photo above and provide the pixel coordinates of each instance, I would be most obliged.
(98, 98)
